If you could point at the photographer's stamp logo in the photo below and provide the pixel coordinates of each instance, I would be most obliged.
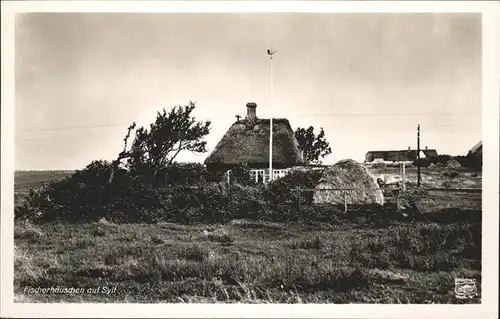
(465, 288)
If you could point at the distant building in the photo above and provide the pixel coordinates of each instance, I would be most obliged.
(408, 155)
(247, 141)
(476, 150)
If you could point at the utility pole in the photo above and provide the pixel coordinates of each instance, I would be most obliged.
(418, 155)
(271, 52)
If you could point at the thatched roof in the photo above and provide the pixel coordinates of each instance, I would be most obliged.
(247, 141)
(399, 156)
(348, 174)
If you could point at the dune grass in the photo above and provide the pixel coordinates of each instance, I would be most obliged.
(250, 262)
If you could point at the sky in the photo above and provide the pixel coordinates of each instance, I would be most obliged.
(367, 78)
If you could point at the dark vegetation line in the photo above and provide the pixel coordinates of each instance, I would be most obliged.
(245, 261)
(188, 193)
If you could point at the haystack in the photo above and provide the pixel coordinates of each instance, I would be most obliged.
(453, 164)
(348, 174)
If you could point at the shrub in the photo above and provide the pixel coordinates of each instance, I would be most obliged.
(240, 174)
(379, 165)
(446, 184)
(319, 213)
(410, 196)
(91, 194)
(471, 161)
(370, 253)
(314, 243)
(475, 162)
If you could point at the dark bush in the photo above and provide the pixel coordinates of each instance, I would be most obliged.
(280, 195)
(379, 165)
(212, 203)
(187, 193)
(440, 159)
(422, 162)
(185, 174)
(240, 174)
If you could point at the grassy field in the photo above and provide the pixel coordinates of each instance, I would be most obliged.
(247, 262)
(243, 261)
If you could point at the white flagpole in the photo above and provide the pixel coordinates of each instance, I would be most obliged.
(271, 52)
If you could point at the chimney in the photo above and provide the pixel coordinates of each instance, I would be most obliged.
(251, 113)
(409, 149)
(426, 148)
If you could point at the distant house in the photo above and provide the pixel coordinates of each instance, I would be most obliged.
(247, 141)
(408, 155)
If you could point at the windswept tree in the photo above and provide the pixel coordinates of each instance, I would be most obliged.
(157, 147)
(313, 146)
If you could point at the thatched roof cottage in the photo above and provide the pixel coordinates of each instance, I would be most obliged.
(247, 141)
(408, 155)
